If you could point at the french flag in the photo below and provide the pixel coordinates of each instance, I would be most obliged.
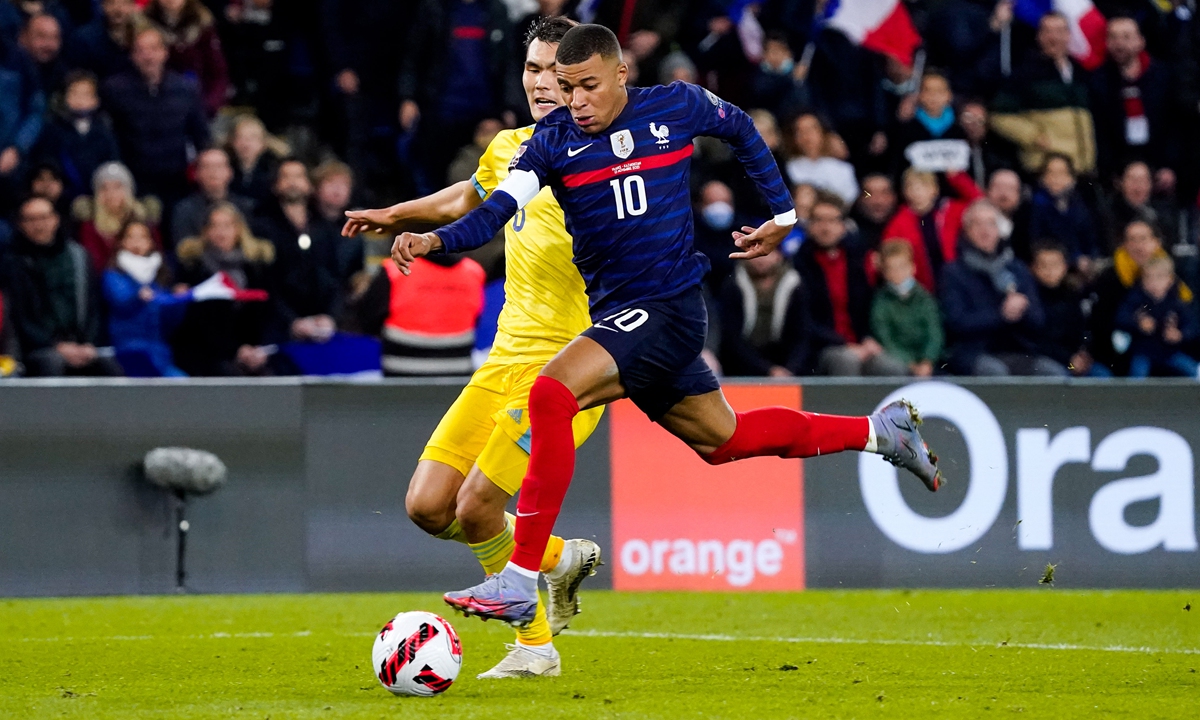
(1088, 26)
(883, 26)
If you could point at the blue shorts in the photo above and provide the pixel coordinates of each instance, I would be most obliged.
(657, 347)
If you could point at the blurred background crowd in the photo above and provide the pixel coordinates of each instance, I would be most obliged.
(984, 188)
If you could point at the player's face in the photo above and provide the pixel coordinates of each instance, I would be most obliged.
(539, 79)
(594, 90)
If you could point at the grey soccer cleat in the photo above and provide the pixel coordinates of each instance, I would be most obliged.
(564, 590)
(495, 599)
(899, 442)
(521, 662)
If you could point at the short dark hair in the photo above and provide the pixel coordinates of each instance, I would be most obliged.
(825, 197)
(583, 41)
(74, 77)
(1047, 245)
(549, 30)
(1051, 157)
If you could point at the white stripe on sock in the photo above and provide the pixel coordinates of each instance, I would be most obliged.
(872, 442)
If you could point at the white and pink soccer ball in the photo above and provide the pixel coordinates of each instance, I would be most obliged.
(417, 653)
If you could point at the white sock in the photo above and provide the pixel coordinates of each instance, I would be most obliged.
(526, 579)
(872, 442)
(564, 563)
(545, 651)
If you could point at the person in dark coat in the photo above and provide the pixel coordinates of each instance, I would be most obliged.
(1160, 323)
(261, 40)
(102, 46)
(55, 297)
(1133, 107)
(308, 288)
(158, 116)
(213, 176)
(1135, 199)
(764, 320)
(78, 138)
(226, 337)
(990, 306)
(1057, 212)
(832, 267)
(191, 34)
(255, 163)
(1062, 337)
(457, 69)
(934, 119)
(41, 44)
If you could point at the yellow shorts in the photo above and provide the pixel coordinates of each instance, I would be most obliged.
(488, 425)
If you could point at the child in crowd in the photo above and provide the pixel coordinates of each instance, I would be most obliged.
(1159, 323)
(1058, 213)
(141, 313)
(1062, 337)
(933, 119)
(929, 222)
(904, 316)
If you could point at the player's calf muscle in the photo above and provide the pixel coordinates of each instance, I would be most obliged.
(431, 500)
(480, 507)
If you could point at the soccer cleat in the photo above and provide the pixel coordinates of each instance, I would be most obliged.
(495, 599)
(899, 442)
(564, 590)
(522, 662)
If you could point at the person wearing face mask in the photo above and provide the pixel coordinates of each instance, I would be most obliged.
(78, 138)
(904, 316)
(777, 85)
(715, 216)
(141, 313)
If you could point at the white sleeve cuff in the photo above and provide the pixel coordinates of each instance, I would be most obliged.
(786, 219)
(522, 186)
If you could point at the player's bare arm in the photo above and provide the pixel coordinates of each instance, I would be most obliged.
(443, 206)
(410, 246)
(756, 242)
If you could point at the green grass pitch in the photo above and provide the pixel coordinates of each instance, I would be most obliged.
(1039, 653)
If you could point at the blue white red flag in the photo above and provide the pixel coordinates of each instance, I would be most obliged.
(1088, 26)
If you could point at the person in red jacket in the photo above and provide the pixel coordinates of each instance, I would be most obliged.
(930, 222)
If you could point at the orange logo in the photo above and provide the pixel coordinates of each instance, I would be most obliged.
(681, 524)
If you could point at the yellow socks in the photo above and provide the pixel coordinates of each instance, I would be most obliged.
(453, 532)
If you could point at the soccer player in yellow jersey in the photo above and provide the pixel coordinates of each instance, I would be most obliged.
(475, 460)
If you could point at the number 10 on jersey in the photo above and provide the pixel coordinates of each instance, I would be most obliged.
(630, 195)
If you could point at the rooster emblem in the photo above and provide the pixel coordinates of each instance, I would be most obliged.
(661, 132)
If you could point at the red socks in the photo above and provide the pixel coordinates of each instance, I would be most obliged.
(551, 464)
(788, 433)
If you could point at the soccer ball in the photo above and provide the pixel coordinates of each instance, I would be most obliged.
(417, 653)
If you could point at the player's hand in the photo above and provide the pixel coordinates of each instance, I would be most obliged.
(410, 246)
(378, 220)
(758, 242)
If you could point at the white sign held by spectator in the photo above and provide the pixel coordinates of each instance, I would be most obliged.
(939, 155)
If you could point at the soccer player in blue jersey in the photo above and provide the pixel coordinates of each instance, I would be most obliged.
(617, 159)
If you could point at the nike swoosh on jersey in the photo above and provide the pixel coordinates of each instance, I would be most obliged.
(525, 514)
(572, 152)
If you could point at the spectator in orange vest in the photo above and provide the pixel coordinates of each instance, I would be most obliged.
(427, 319)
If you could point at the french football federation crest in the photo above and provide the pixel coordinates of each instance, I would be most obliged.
(661, 132)
(516, 156)
(622, 144)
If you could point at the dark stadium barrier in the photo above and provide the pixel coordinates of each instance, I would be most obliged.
(315, 499)
(1097, 478)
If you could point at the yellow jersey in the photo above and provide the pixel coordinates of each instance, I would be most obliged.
(545, 303)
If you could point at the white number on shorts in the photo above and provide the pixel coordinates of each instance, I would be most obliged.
(626, 320)
(634, 199)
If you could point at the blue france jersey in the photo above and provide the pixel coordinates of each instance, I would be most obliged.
(625, 191)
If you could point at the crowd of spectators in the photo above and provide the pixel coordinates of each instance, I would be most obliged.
(173, 177)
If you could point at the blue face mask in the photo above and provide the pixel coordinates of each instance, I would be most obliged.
(904, 288)
(784, 69)
(718, 215)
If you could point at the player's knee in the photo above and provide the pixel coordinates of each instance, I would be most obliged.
(428, 511)
(550, 397)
